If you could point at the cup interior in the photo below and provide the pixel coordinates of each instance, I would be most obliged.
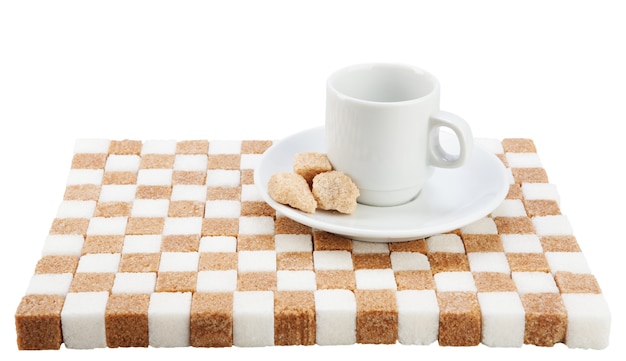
(383, 83)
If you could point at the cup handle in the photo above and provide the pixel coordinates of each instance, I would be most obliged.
(437, 155)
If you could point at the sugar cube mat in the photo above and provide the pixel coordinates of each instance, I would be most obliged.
(167, 243)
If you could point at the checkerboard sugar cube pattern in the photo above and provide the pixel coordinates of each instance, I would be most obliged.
(168, 244)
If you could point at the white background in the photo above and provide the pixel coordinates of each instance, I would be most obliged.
(552, 71)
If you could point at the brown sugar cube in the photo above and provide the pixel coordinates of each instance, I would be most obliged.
(371, 261)
(38, 322)
(415, 280)
(310, 164)
(89, 161)
(541, 207)
(223, 193)
(255, 146)
(418, 245)
(217, 261)
(518, 145)
(335, 279)
(291, 189)
(559, 244)
(377, 316)
(256, 281)
(140, 262)
(459, 319)
(82, 192)
(69, 226)
(515, 192)
(294, 318)
(119, 178)
(144, 225)
(180, 243)
(529, 175)
(92, 282)
(224, 161)
(126, 146)
(448, 262)
(103, 244)
(494, 282)
(188, 177)
(325, 241)
(186, 209)
(247, 176)
(56, 264)
(514, 225)
(528, 262)
(176, 281)
(546, 318)
(255, 242)
(335, 191)
(576, 283)
(153, 192)
(157, 161)
(294, 261)
(482, 243)
(211, 320)
(503, 159)
(113, 209)
(257, 209)
(220, 226)
(126, 320)
(284, 225)
(192, 147)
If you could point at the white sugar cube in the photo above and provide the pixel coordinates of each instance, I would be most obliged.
(521, 243)
(250, 161)
(534, 282)
(218, 244)
(159, 146)
(182, 225)
(375, 279)
(335, 317)
(134, 282)
(510, 208)
(293, 243)
(540, 191)
(76, 209)
(296, 281)
(179, 262)
(99, 263)
(150, 208)
(107, 226)
(574, 262)
(360, 247)
(253, 318)
(85, 176)
(118, 193)
(191, 162)
(217, 281)
(588, 321)
(168, 319)
(503, 319)
(50, 284)
(552, 225)
(445, 243)
(82, 320)
(455, 282)
(122, 163)
(155, 177)
(418, 317)
(406, 261)
(250, 193)
(523, 160)
(150, 243)
(223, 178)
(256, 225)
(485, 225)
(488, 262)
(225, 147)
(188, 192)
(222, 209)
(256, 261)
(332, 260)
(63, 245)
(92, 146)
(489, 144)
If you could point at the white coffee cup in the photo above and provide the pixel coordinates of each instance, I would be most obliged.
(382, 130)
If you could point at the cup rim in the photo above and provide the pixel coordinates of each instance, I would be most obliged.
(331, 86)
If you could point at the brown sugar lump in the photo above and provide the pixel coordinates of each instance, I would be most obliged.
(459, 319)
(293, 190)
(38, 322)
(334, 190)
(310, 164)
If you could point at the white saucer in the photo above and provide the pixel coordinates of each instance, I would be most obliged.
(451, 199)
